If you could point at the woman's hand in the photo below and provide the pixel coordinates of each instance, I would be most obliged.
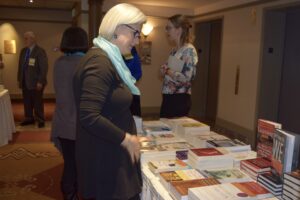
(132, 144)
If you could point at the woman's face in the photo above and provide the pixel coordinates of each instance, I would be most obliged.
(127, 36)
(172, 32)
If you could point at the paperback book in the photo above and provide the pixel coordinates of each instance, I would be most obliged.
(265, 134)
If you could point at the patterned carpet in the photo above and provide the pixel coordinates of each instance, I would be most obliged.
(30, 171)
(30, 165)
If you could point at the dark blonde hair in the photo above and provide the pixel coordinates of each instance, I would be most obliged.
(181, 21)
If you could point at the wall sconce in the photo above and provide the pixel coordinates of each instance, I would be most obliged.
(145, 46)
(146, 29)
(10, 46)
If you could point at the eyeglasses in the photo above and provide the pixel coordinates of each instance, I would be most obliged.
(136, 33)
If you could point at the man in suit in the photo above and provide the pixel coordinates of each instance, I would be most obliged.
(32, 78)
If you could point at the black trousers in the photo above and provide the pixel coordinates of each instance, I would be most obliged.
(33, 103)
(135, 107)
(175, 105)
(69, 176)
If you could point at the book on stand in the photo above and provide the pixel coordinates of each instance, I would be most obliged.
(285, 155)
(265, 133)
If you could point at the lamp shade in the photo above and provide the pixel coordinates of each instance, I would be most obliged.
(146, 29)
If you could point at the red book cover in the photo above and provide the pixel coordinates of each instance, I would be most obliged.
(252, 188)
(257, 163)
(265, 134)
(206, 152)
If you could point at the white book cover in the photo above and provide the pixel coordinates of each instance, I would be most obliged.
(167, 165)
(227, 175)
(231, 191)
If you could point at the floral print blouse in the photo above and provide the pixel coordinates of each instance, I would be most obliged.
(180, 81)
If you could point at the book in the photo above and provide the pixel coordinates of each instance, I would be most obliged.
(208, 158)
(179, 189)
(155, 127)
(178, 175)
(239, 156)
(201, 152)
(265, 132)
(257, 164)
(272, 182)
(175, 63)
(230, 191)
(227, 175)
(167, 165)
(232, 145)
(285, 155)
(293, 176)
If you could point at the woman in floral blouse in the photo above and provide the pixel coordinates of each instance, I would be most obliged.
(179, 70)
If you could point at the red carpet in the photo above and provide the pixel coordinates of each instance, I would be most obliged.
(18, 109)
(31, 136)
(31, 166)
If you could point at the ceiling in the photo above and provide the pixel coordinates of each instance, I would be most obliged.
(68, 4)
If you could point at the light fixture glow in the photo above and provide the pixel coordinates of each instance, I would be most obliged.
(30, 1)
(146, 29)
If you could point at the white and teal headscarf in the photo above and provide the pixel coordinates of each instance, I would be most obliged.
(116, 58)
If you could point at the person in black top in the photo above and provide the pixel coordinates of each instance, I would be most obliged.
(107, 147)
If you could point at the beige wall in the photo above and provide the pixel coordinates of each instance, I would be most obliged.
(150, 84)
(48, 36)
(48, 28)
(241, 46)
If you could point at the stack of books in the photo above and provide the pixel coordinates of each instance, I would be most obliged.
(209, 158)
(199, 141)
(230, 191)
(231, 145)
(271, 182)
(164, 151)
(185, 126)
(227, 175)
(239, 156)
(167, 165)
(291, 185)
(150, 151)
(255, 166)
(156, 127)
(178, 175)
(179, 189)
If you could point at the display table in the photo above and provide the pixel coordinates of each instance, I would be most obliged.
(7, 124)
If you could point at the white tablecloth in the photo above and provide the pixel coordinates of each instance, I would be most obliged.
(7, 124)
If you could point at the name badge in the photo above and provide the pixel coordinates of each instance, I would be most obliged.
(31, 62)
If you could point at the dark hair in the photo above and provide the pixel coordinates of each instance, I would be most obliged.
(74, 39)
(181, 21)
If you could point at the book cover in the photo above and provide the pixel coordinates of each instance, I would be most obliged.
(257, 164)
(206, 152)
(293, 176)
(265, 133)
(285, 155)
(157, 166)
(227, 175)
(182, 186)
(253, 189)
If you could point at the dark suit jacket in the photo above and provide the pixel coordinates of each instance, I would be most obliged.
(36, 69)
